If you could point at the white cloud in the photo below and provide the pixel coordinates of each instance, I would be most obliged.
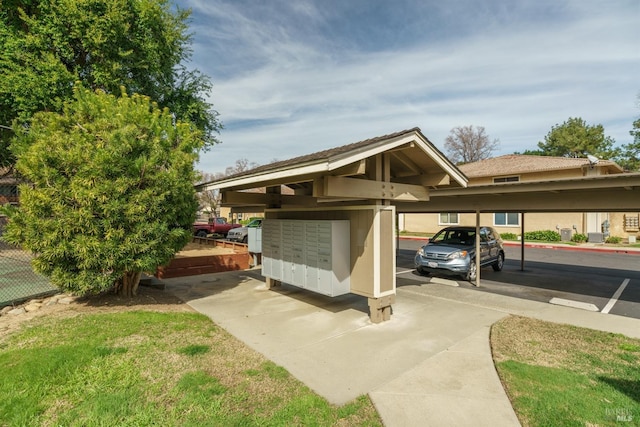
(284, 92)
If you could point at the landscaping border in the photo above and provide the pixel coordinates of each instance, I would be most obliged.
(191, 266)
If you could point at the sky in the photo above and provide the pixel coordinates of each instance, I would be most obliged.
(292, 77)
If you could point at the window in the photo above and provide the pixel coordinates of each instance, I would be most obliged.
(506, 179)
(448, 218)
(506, 218)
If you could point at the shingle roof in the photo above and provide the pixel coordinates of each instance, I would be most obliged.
(513, 164)
(321, 155)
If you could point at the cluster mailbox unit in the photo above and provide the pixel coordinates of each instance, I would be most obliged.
(310, 254)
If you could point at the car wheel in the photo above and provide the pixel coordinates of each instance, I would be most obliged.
(421, 272)
(497, 266)
(473, 272)
(201, 233)
(245, 239)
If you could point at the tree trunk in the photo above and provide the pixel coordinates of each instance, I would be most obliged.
(127, 286)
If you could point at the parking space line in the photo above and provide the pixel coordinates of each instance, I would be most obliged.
(614, 298)
(442, 281)
(575, 304)
(405, 271)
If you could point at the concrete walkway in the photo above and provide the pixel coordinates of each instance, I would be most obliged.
(430, 365)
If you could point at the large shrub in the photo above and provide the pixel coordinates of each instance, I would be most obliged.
(508, 236)
(543, 235)
(579, 238)
(110, 191)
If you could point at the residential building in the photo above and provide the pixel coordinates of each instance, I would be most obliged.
(513, 168)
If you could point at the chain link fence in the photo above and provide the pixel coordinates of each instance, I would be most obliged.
(18, 281)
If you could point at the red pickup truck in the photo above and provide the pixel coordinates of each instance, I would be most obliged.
(213, 226)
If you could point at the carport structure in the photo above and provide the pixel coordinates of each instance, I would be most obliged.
(368, 182)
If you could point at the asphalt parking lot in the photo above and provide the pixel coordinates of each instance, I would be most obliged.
(593, 281)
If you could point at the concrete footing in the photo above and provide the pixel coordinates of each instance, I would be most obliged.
(380, 308)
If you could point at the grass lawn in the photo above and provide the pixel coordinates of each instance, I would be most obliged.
(560, 375)
(162, 364)
(139, 368)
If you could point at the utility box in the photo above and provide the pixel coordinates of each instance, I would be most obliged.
(254, 240)
(595, 237)
(565, 234)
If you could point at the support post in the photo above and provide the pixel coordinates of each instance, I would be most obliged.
(397, 231)
(522, 242)
(380, 308)
(478, 254)
(273, 196)
(272, 283)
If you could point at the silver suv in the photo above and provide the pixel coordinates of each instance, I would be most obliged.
(241, 234)
(452, 252)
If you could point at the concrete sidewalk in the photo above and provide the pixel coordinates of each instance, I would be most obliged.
(430, 365)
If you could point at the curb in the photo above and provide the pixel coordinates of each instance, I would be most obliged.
(414, 238)
(624, 251)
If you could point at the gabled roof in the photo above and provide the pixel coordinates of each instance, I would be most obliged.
(515, 164)
(412, 155)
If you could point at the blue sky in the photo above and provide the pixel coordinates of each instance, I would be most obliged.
(292, 77)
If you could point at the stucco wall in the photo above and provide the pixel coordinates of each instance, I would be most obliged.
(617, 225)
(535, 176)
(577, 222)
(430, 223)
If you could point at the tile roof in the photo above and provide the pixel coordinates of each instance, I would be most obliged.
(513, 164)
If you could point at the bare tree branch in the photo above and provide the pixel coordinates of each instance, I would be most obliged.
(211, 199)
(467, 144)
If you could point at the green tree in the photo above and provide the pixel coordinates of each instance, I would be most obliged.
(631, 151)
(575, 138)
(529, 152)
(141, 45)
(110, 191)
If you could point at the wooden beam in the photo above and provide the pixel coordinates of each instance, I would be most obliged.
(247, 209)
(628, 181)
(318, 191)
(386, 173)
(243, 198)
(377, 173)
(233, 198)
(427, 180)
(353, 188)
(357, 168)
(595, 200)
(401, 147)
